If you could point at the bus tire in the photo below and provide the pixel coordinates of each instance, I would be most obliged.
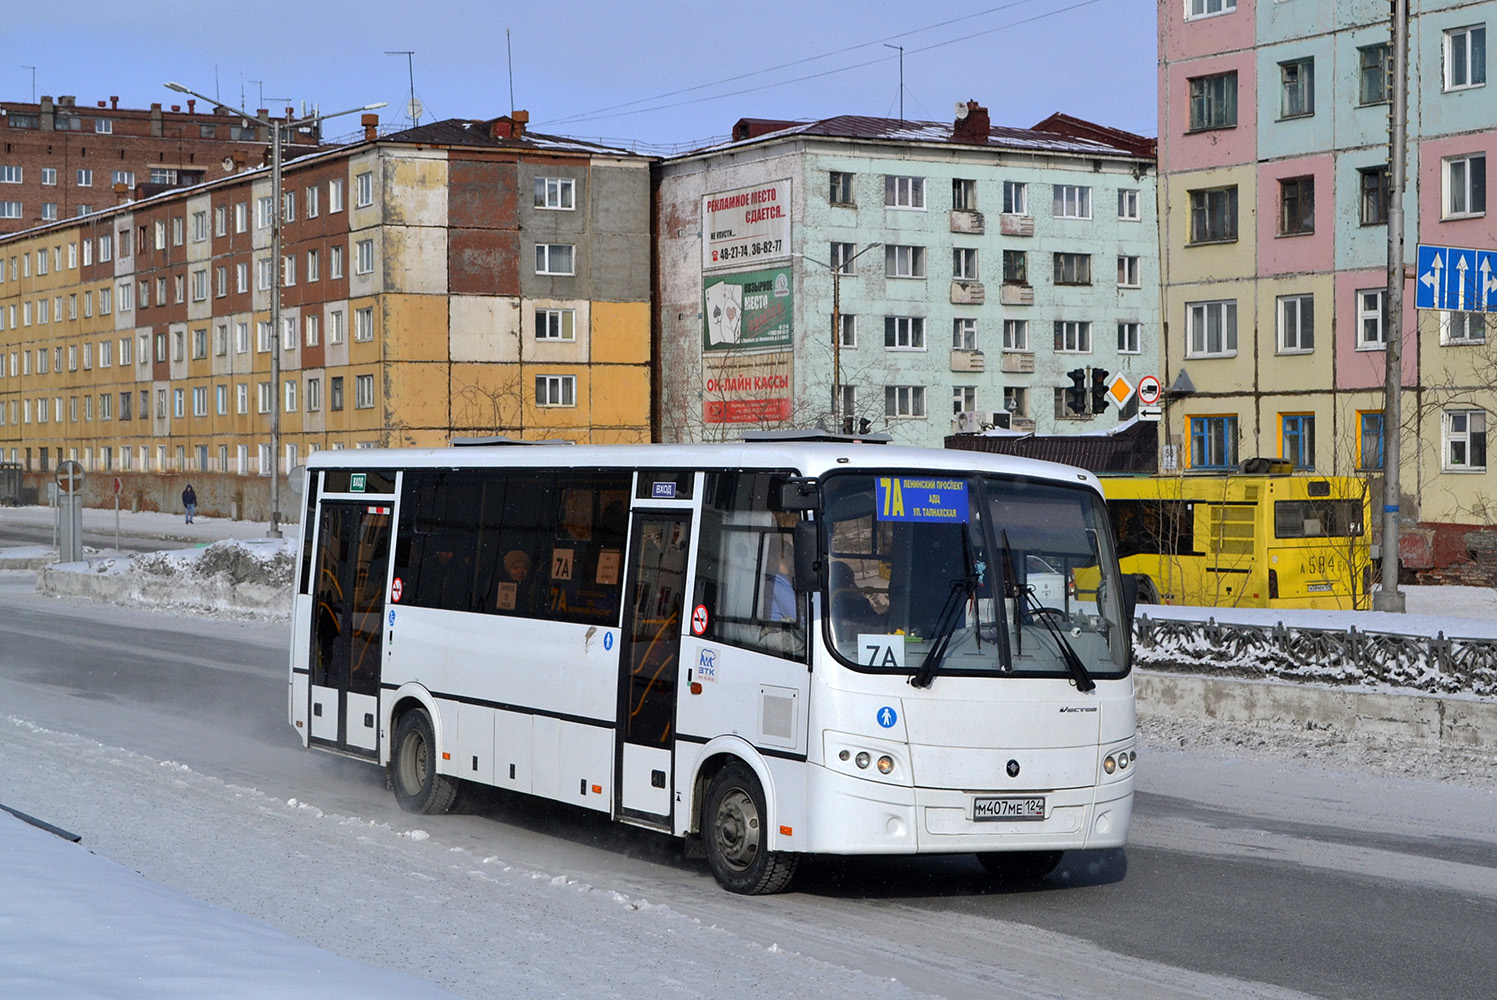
(735, 832)
(1019, 866)
(1147, 592)
(413, 767)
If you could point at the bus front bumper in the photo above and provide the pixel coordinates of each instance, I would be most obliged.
(856, 816)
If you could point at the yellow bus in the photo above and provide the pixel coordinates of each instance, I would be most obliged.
(1257, 538)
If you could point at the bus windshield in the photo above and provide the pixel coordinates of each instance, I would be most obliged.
(982, 574)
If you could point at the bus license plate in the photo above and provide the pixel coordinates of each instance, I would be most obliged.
(1318, 588)
(1008, 808)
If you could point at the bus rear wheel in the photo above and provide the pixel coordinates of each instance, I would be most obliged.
(736, 838)
(413, 767)
(1019, 866)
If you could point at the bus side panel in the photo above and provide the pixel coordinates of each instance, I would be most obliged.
(301, 637)
(475, 743)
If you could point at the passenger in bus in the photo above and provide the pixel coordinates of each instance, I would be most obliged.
(852, 612)
(513, 593)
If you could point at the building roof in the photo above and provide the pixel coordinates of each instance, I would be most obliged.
(505, 131)
(1056, 134)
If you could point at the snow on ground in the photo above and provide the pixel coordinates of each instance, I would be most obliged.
(1459, 612)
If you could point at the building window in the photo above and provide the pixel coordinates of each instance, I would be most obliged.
(964, 334)
(200, 343)
(849, 334)
(363, 324)
(904, 401)
(1370, 440)
(363, 257)
(199, 285)
(334, 196)
(1015, 198)
(963, 195)
(1073, 268)
(85, 178)
(220, 281)
(125, 177)
(335, 327)
(840, 192)
(1297, 88)
(264, 271)
(1296, 320)
(290, 395)
(314, 394)
(178, 401)
(335, 262)
(1377, 195)
(1296, 206)
(1465, 439)
(1212, 328)
(221, 399)
(964, 263)
(200, 401)
(10, 209)
(310, 199)
(264, 212)
(11, 174)
(1465, 184)
(1213, 215)
(1371, 319)
(312, 323)
(241, 277)
(1213, 101)
(1073, 201)
(199, 226)
(1130, 338)
(262, 336)
(1016, 335)
(1015, 267)
(1213, 442)
(49, 176)
(904, 261)
(1128, 204)
(1297, 439)
(1466, 57)
(904, 192)
(963, 399)
(554, 193)
(314, 266)
(1463, 328)
(555, 258)
(49, 211)
(904, 333)
(1129, 272)
(1374, 83)
(1073, 337)
(288, 206)
(841, 257)
(1205, 8)
(556, 390)
(335, 392)
(555, 324)
(265, 397)
(364, 191)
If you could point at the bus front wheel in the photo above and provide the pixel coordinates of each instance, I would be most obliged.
(736, 837)
(1019, 866)
(413, 767)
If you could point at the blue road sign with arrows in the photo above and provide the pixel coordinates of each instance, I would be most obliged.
(1455, 278)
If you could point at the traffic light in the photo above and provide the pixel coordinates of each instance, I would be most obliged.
(1076, 394)
(1099, 390)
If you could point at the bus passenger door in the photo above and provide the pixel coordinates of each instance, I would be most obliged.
(649, 664)
(353, 558)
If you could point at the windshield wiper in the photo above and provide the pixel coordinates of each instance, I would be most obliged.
(1026, 598)
(962, 589)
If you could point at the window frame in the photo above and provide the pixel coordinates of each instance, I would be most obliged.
(1294, 305)
(1470, 438)
(1198, 333)
(904, 193)
(1472, 190)
(1296, 206)
(1470, 68)
(1203, 211)
(1297, 88)
(545, 264)
(1212, 102)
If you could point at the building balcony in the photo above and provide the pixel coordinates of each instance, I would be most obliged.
(963, 221)
(1017, 362)
(1016, 225)
(970, 361)
(967, 293)
(1016, 295)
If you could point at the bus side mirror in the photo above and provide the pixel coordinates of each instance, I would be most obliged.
(1130, 596)
(808, 564)
(794, 495)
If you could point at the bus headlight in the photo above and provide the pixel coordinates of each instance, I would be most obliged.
(861, 759)
(1110, 764)
(885, 764)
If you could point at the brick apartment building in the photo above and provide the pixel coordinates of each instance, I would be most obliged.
(61, 160)
(462, 277)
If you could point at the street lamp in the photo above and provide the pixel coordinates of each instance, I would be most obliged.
(277, 215)
(837, 271)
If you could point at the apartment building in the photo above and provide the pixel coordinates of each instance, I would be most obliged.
(60, 159)
(1274, 199)
(908, 277)
(458, 278)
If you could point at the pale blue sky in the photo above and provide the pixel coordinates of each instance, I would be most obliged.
(664, 72)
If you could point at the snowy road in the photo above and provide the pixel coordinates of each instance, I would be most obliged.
(163, 741)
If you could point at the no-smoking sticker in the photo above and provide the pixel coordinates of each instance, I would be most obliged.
(699, 619)
(396, 589)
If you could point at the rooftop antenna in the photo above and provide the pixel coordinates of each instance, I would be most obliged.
(33, 82)
(901, 77)
(413, 109)
(509, 54)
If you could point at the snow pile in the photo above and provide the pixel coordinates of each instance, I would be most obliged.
(235, 576)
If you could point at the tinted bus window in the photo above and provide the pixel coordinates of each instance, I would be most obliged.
(1317, 518)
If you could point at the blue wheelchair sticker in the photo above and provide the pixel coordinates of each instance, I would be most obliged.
(887, 717)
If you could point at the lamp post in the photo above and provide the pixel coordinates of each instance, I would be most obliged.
(277, 216)
(837, 272)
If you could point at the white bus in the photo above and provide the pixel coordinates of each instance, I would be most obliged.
(770, 649)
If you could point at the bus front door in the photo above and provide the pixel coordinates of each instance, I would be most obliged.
(353, 557)
(649, 664)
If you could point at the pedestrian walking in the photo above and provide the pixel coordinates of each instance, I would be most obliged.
(189, 502)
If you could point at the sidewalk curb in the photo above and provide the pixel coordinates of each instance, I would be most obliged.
(1456, 722)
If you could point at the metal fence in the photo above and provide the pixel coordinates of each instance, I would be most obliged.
(1438, 664)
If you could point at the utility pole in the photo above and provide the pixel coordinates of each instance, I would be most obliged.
(836, 267)
(1390, 598)
(413, 109)
(901, 77)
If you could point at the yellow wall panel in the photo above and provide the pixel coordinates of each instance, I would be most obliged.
(621, 332)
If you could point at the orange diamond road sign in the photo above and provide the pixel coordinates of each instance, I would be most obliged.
(1120, 390)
